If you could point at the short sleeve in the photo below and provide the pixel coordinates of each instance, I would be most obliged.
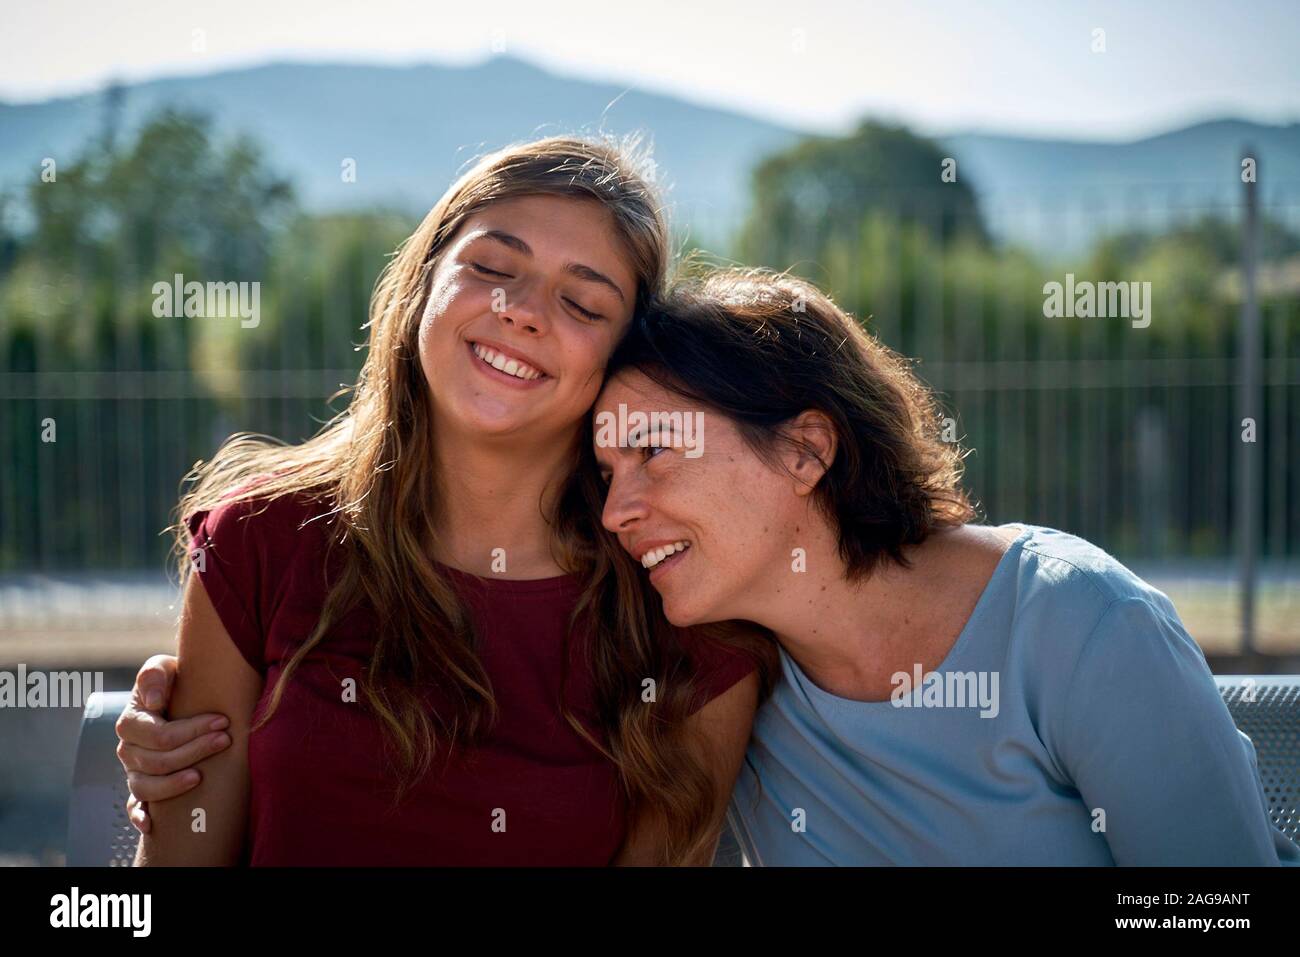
(228, 557)
(1146, 739)
(716, 667)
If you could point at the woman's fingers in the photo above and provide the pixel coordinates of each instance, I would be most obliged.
(152, 732)
(153, 683)
(151, 761)
(159, 755)
(156, 787)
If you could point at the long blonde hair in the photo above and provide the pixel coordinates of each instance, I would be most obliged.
(369, 469)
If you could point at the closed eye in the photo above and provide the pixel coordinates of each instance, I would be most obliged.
(480, 268)
(585, 313)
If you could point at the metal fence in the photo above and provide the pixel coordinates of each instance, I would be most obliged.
(1130, 437)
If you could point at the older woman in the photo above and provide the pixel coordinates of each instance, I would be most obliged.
(953, 693)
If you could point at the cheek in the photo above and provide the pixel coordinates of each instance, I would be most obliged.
(703, 495)
(451, 305)
(741, 511)
(586, 353)
(442, 293)
(436, 337)
(430, 321)
(449, 298)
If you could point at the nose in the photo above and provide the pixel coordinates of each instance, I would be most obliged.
(525, 309)
(624, 506)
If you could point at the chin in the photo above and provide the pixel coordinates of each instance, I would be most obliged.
(490, 417)
(683, 614)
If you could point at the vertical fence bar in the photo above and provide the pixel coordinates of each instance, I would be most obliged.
(1248, 407)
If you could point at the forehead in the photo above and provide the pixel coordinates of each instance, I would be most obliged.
(631, 398)
(638, 392)
(579, 230)
(565, 213)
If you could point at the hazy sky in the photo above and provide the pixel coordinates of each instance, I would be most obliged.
(1025, 67)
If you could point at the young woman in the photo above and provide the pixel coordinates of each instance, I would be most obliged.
(952, 693)
(427, 649)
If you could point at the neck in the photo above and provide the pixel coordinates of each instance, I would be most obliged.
(499, 494)
(843, 634)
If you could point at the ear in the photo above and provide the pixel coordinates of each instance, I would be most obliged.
(813, 443)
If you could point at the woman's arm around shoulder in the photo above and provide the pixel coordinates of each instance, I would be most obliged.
(207, 825)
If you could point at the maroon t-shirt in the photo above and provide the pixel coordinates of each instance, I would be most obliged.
(322, 781)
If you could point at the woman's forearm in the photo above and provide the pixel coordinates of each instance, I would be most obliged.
(207, 825)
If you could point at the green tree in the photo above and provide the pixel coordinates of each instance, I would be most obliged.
(76, 296)
(821, 190)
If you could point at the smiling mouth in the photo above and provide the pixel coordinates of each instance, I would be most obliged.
(502, 366)
(658, 561)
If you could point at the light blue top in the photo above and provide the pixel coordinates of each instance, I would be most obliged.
(1074, 721)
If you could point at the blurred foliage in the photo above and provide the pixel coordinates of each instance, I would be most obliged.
(79, 257)
(819, 193)
(1125, 435)
(174, 199)
(114, 222)
(1067, 429)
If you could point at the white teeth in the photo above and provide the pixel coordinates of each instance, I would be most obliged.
(520, 370)
(653, 557)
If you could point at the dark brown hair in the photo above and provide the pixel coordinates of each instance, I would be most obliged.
(761, 348)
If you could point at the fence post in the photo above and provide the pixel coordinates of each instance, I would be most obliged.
(1248, 365)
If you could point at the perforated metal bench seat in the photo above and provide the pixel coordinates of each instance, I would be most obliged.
(1265, 707)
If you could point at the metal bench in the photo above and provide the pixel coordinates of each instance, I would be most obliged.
(1265, 707)
(99, 832)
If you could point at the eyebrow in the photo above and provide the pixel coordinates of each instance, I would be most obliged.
(576, 269)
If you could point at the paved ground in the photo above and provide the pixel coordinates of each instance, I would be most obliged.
(119, 620)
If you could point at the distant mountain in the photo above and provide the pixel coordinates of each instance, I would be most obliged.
(1060, 194)
(1204, 155)
(411, 128)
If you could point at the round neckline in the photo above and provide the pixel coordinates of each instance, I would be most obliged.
(514, 586)
(981, 610)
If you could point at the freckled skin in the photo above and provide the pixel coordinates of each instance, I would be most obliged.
(710, 501)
